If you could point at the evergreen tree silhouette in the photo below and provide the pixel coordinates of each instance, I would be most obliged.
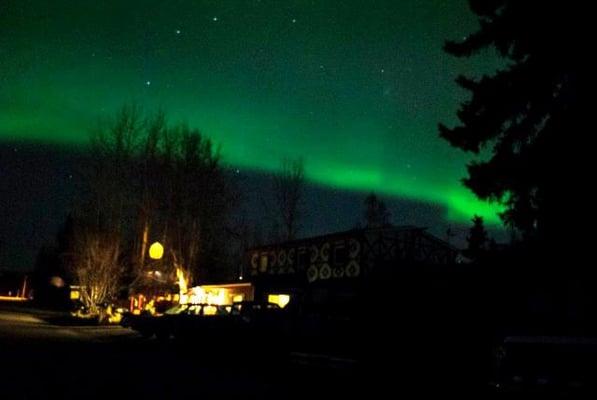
(376, 212)
(530, 116)
(477, 238)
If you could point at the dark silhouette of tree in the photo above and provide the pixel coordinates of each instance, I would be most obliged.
(96, 268)
(246, 233)
(105, 212)
(150, 181)
(477, 238)
(449, 234)
(528, 115)
(198, 201)
(51, 274)
(376, 213)
(111, 193)
(288, 191)
(150, 172)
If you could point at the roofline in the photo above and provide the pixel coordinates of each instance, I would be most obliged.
(390, 228)
(442, 241)
(226, 285)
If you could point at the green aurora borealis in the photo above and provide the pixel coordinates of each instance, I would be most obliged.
(356, 88)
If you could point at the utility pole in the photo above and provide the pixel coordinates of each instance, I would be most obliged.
(24, 289)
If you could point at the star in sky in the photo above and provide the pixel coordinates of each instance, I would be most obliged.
(366, 72)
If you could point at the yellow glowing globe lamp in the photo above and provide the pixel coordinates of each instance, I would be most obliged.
(156, 251)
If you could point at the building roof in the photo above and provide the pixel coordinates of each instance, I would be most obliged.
(362, 231)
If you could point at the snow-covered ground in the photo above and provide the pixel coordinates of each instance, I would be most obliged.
(31, 324)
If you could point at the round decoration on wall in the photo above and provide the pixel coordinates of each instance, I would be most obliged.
(325, 252)
(354, 248)
(325, 271)
(314, 253)
(353, 269)
(255, 260)
(338, 272)
(282, 258)
(312, 273)
(273, 259)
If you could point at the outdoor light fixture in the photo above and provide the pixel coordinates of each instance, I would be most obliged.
(156, 251)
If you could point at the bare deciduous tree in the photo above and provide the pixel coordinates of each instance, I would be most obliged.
(96, 268)
(153, 182)
(102, 217)
(113, 149)
(199, 202)
(149, 175)
(288, 191)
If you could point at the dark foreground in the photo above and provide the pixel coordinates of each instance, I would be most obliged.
(40, 360)
(44, 356)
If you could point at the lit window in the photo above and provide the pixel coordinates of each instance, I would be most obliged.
(279, 299)
(210, 310)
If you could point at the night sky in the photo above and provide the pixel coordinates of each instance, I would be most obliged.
(356, 88)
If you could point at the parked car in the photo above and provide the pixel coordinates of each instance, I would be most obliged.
(240, 323)
(244, 321)
(149, 325)
(259, 317)
(556, 365)
(203, 321)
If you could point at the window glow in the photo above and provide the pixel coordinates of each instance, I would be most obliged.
(280, 299)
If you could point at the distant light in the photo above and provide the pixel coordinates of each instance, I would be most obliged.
(12, 298)
(215, 19)
(156, 251)
(240, 278)
(148, 83)
(57, 281)
(294, 20)
(178, 31)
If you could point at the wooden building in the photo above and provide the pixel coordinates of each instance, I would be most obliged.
(340, 262)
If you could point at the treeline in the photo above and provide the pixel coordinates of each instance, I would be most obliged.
(146, 181)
